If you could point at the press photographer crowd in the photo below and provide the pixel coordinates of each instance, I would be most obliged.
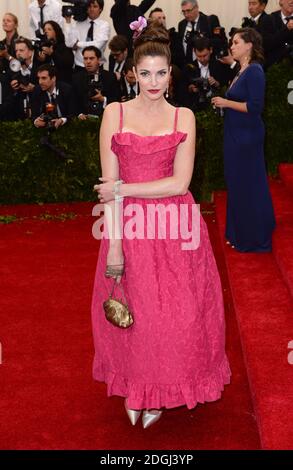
(61, 72)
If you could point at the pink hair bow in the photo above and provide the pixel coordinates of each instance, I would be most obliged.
(138, 26)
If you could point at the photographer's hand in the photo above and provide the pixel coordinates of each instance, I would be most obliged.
(82, 117)
(57, 122)
(14, 85)
(213, 82)
(48, 50)
(98, 97)
(193, 89)
(27, 88)
(39, 122)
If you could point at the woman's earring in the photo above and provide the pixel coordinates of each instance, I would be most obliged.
(136, 89)
(167, 92)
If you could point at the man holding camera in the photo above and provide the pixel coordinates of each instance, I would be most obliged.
(41, 11)
(91, 32)
(202, 78)
(283, 22)
(263, 23)
(23, 77)
(94, 87)
(194, 23)
(52, 101)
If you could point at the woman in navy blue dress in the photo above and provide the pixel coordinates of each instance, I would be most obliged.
(250, 215)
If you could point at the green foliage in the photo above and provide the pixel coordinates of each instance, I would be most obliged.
(31, 172)
(278, 117)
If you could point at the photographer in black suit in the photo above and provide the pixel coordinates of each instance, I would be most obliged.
(94, 87)
(263, 23)
(195, 22)
(118, 55)
(202, 78)
(128, 84)
(123, 13)
(52, 101)
(283, 23)
(23, 77)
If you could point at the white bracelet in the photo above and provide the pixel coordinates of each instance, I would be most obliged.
(116, 191)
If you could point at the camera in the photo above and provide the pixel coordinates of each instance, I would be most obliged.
(220, 43)
(204, 89)
(19, 74)
(77, 9)
(41, 42)
(2, 46)
(49, 116)
(95, 85)
(248, 23)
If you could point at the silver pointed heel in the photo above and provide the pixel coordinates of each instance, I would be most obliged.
(133, 415)
(150, 417)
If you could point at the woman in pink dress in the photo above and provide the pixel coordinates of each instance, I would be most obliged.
(174, 353)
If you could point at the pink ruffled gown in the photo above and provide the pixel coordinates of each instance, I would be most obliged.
(174, 353)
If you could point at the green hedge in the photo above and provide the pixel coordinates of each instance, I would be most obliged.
(30, 172)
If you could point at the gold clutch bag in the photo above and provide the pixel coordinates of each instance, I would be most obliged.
(117, 311)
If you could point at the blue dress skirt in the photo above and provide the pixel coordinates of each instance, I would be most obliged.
(250, 215)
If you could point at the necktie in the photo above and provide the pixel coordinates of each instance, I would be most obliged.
(189, 48)
(132, 93)
(42, 16)
(90, 33)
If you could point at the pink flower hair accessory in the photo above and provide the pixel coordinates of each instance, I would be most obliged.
(138, 26)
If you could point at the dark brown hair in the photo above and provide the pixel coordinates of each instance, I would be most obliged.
(118, 43)
(253, 36)
(153, 41)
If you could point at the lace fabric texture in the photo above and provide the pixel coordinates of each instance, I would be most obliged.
(174, 354)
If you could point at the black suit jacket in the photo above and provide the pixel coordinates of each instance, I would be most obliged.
(218, 71)
(80, 83)
(282, 36)
(205, 25)
(266, 28)
(64, 99)
(112, 64)
(123, 14)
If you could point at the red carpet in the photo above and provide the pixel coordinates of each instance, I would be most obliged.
(48, 398)
(263, 306)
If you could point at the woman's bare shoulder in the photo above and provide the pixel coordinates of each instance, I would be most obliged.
(112, 109)
(186, 118)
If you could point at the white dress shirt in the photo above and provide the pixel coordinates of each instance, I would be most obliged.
(204, 70)
(188, 28)
(118, 66)
(256, 18)
(284, 18)
(77, 33)
(55, 93)
(52, 11)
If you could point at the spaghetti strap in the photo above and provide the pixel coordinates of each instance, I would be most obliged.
(121, 118)
(176, 119)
